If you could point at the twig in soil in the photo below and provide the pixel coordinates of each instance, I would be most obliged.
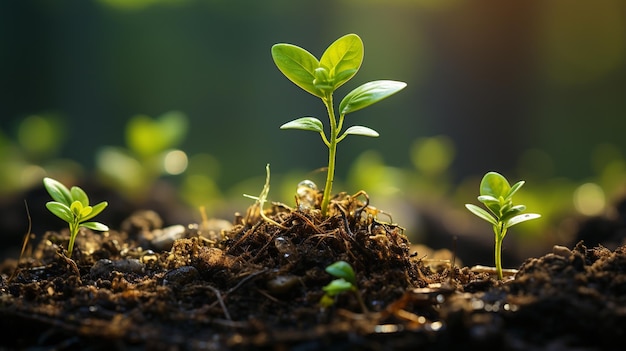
(344, 216)
(221, 302)
(72, 265)
(221, 297)
(307, 221)
(262, 199)
(24, 243)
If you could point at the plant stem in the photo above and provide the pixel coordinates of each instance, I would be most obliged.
(73, 233)
(332, 150)
(500, 231)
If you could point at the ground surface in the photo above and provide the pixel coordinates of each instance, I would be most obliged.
(254, 283)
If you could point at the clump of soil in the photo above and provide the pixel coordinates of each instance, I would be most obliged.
(256, 282)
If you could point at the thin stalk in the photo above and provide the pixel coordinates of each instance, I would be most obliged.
(500, 231)
(73, 234)
(332, 150)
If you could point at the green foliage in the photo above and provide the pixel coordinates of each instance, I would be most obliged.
(346, 281)
(72, 206)
(338, 64)
(497, 195)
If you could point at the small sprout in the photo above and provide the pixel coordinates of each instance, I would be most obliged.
(262, 198)
(346, 281)
(497, 195)
(339, 63)
(73, 207)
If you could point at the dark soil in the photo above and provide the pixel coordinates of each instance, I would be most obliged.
(256, 284)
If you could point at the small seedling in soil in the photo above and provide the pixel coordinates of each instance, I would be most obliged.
(339, 63)
(346, 281)
(73, 207)
(497, 195)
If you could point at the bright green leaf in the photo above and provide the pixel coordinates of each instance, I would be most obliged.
(57, 191)
(305, 123)
(85, 212)
(95, 210)
(76, 207)
(360, 130)
(343, 58)
(514, 189)
(494, 184)
(60, 210)
(368, 94)
(95, 226)
(298, 65)
(521, 218)
(342, 269)
(79, 194)
(482, 213)
(337, 286)
(488, 199)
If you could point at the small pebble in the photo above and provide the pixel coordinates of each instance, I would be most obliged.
(561, 251)
(104, 267)
(164, 238)
(180, 275)
(282, 284)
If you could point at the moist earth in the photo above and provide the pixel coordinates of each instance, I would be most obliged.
(256, 283)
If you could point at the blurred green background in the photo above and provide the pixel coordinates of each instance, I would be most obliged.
(131, 93)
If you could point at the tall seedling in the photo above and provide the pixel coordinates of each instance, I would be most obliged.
(339, 63)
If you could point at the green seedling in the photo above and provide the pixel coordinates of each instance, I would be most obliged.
(73, 207)
(339, 63)
(346, 281)
(497, 195)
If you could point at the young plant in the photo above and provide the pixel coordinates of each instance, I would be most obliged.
(346, 281)
(339, 63)
(73, 207)
(497, 195)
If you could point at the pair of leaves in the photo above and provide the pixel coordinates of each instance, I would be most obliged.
(346, 278)
(72, 205)
(497, 195)
(340, 62)
(359, 98)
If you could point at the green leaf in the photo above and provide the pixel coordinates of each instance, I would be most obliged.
(360, 130)
(60, 210)
(305, 123)
(494, 184)
(514, 189)
(95, 226)
(337, 286)
(57, 191)
(298, 65)
(482, 213)
(488, 199)
(79, 195)
(95, 210)
(513, 211)
(343, 58)
(77, 208)
(492, 204)
(368, 94)
(342, 269)
(521, 218)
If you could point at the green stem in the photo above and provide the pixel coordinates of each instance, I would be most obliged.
(73, 234)
(500, 231)
(332, 150)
